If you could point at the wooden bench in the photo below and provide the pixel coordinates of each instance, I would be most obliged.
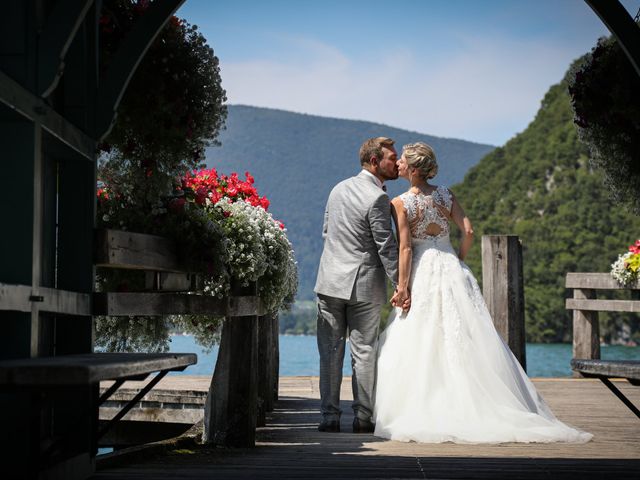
(47, 374)
(586, 360)
(246, 371)
(245, 378)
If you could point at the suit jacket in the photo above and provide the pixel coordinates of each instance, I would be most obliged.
(359, 244)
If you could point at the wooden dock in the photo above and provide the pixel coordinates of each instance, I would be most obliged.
(291, 447)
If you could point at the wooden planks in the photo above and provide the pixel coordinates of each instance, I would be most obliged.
(20, 298)
(603, 305)
(291, 447)
(88, 369)
(594, 280)
(120, 249)
(608, 368)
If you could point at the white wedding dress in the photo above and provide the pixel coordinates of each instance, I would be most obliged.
(444, 373)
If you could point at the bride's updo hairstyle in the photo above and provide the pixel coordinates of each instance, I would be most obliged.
(422, 158)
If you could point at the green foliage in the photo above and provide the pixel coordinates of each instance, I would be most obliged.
(605, 91)
(541, 187)
(177, 84)
(172, 109)
(300, 319)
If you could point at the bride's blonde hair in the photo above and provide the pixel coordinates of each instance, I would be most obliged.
(422, 158)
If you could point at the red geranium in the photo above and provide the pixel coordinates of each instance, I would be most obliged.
(207, 183)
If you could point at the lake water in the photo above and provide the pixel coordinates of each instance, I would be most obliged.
(299, 356)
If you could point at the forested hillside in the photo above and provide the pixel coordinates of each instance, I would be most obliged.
(296, 160)
(540, 186)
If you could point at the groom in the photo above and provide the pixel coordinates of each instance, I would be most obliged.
(359, 249)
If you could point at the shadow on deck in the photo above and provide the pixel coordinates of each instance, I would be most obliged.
(291, 447)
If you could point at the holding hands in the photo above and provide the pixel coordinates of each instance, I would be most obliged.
(401, 298)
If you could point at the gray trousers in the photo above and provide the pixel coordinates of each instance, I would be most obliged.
(363, 321)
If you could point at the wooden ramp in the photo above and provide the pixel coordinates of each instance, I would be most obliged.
(291, 447)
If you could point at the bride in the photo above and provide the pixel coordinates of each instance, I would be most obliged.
(444, 373)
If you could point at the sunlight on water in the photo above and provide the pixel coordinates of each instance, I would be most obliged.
(299, 356)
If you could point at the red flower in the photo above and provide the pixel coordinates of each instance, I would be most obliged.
(201, 195)
(232, 191)
(281, 225)
(102, 194)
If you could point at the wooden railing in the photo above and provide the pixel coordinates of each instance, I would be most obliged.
(245, 382)
(586, 305)
(586, 331)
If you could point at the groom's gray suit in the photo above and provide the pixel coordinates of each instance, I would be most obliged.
(360, 250)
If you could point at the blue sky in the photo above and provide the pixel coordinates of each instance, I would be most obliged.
(475, 70)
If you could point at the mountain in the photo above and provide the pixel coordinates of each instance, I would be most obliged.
(296, 160)
(541, 187)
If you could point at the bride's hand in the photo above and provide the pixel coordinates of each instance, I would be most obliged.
(406, 305)
(401, 298)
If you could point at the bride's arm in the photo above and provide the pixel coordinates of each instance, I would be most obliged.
(464, 224)
(404, 260)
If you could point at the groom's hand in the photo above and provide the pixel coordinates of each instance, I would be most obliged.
(401, 298)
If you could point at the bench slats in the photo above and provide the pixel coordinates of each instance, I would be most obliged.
(607, 368)
(595, 280)
(137, 251)
(88, 369)
(602, 305)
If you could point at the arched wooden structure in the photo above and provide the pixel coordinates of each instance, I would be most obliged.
(621, 26)
(54, 108)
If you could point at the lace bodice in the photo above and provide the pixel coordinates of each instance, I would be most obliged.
(425, 210)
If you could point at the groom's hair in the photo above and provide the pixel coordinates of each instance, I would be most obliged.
(373, 148)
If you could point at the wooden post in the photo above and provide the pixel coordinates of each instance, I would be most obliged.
(264, 370)
(586, 330)
(275, 357)
(503, 289)
(231, 407)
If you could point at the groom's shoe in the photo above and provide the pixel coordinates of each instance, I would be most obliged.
(363, 426)
(329, 426)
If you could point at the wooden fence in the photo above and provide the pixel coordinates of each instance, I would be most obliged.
(245, 382)
(586, 331)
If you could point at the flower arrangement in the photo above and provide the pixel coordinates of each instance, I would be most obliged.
(626, 268)
(605, 96)
(222, 229)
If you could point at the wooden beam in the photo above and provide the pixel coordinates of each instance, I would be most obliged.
(621, 25)
(64, 21)
(608, 368)
(160, 303)
(89, 369)
(603, 305)
(586, 328)
(19, 99)
(503, 289)
(231, 409)
(119, 249)
(597, 281)
(36, 242)
(127, 59)
(21, 298)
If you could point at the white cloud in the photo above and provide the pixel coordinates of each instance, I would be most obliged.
(487, 92)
